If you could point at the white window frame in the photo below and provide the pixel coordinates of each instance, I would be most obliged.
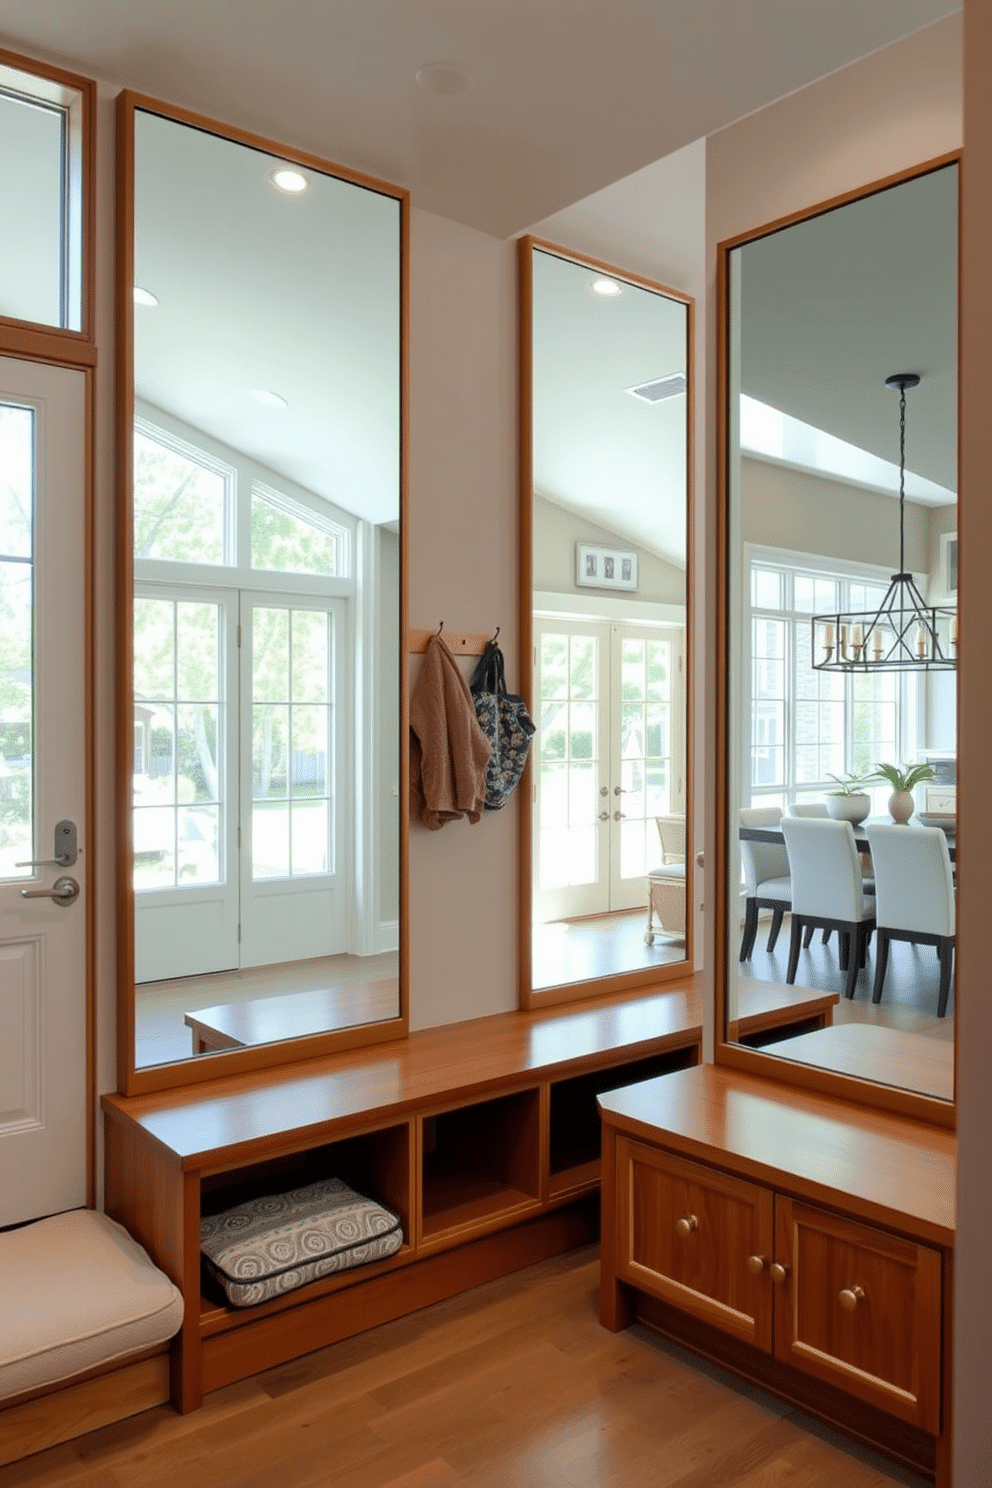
(910, 698)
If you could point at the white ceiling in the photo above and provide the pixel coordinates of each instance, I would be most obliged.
(566, 96)
(832, 306)
(597, 450)
(296, 295)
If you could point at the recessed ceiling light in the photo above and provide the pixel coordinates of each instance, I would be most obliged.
(443, 77)
(607, 289)
(271, 400)
(144, 296)
(290, 181)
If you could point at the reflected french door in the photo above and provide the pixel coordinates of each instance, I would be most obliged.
(239, 816)
(609, 757)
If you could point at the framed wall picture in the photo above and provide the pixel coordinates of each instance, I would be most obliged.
(604, 568)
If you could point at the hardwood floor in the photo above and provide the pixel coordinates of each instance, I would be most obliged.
(577, 950)
(514, 1385)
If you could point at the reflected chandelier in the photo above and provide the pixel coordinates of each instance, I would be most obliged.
(904, 633)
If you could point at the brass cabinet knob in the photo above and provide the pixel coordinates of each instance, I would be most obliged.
(756, 1264)
(779, 1272)
(850, 1297)
(687, 1225)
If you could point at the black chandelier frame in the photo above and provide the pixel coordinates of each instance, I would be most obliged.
(904, 633)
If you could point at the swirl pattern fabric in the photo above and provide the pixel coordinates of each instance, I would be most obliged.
(274, 1244)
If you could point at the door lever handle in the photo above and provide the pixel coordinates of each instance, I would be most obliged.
(64, 890)
(64, 862)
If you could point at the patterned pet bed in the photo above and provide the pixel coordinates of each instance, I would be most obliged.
(272, 1245)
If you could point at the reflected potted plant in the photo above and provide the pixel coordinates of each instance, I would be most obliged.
(850, 801)
(902, 780)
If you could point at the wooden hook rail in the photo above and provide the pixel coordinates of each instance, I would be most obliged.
(459, 642)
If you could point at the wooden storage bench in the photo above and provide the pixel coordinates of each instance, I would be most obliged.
(804, 1242)
(483, 1136)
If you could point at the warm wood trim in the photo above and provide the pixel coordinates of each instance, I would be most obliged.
(279, 148)
(44, 1419)
(18, 338)
(458, 642)
(622, 985)
(856, 193)
(92, 851)
(124, 364)
(646, 977)
(733, 1056)
(193, 1072)
(401, 1025)
(53, 343)
(525, 522)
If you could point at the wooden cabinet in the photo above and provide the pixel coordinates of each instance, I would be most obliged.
(730, 1212)
(687, 1233)
(850, 1304)
(860, 1308)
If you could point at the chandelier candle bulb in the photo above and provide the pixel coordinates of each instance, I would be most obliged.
(828, 638)
(954, 630)
(878, 645)
(921, 642)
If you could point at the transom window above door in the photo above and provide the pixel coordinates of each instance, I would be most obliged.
(200, 504)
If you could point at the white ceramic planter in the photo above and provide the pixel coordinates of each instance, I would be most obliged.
(849, 808)
(901, 806)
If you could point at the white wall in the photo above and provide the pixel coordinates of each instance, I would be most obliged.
(806, 513)
(556, 532)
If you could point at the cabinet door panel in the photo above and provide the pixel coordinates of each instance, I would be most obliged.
(705, 1271)
(884, 1346)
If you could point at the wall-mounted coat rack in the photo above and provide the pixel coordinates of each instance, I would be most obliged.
(459, 642)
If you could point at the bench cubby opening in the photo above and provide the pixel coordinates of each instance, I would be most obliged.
(480, 1161)
(575, 1128)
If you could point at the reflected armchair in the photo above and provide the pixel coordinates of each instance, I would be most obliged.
(666, 883)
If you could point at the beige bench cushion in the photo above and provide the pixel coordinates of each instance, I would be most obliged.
(76, 1292)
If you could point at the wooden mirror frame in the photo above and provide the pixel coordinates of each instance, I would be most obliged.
(648, 978)
(732, 1055)
(202, 1068)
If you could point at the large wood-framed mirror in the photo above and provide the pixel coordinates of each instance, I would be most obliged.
(261, 671)
(817, 314)
(605, 520)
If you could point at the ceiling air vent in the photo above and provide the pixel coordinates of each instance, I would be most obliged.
(660, 389)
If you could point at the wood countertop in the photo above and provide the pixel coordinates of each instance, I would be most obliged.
(202, 1123)
(886, 1169)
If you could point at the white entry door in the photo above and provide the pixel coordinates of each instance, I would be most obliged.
(42, 783)
(610, 757)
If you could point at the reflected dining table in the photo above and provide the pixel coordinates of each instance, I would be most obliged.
(776, 835)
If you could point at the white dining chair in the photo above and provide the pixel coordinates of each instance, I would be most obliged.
(827, 891)
(766, 878)
(818, 809)
(914, 896)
